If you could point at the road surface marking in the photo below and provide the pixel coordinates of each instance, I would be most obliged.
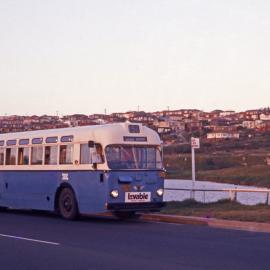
(29, 239)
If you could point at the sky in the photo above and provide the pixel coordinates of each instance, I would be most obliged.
(85, 56)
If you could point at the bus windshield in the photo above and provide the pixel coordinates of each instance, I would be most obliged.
(133, 157)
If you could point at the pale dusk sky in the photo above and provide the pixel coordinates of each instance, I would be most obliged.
(84, 56)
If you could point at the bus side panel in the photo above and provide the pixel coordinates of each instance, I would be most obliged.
(27, 189)
(90, 189)
(37, 189)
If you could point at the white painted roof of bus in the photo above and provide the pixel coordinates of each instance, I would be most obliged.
(104, 134)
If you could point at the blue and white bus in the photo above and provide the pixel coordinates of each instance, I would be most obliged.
(83, 170)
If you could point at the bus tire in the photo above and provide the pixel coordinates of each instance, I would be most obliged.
(67, 204)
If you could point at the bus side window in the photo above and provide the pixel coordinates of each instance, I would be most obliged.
(96, 154)
(2, 151)
(23, 156)
(51, 155)
(37, 155)
(90, 155)
(11, 156)
(84, 154)
(66, 154)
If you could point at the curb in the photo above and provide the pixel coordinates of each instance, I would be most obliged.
(210, 222)
(173, 219)
(240, 225)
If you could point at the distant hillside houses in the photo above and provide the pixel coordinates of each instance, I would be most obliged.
(216, 124)
(222, 135)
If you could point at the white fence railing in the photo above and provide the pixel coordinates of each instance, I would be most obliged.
(232, 192)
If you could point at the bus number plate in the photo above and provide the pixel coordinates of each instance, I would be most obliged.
(137, 197)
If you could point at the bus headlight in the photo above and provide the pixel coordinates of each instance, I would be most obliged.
(114, 193)
(160, 192)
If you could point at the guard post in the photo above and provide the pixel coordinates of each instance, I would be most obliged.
(195, 144)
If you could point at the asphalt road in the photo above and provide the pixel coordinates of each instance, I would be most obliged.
(43, 241)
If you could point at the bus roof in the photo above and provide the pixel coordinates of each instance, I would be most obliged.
(116, 133)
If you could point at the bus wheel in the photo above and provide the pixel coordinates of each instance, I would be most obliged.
(67, 204)
(127, 215)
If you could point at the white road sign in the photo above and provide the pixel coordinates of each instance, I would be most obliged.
(195, 143)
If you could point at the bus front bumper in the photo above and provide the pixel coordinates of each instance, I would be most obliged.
(151, 206)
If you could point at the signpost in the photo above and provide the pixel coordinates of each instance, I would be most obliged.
(195, 144)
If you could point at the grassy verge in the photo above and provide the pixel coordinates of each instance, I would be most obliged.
(224, 209)
(256, 175)
(235, 168)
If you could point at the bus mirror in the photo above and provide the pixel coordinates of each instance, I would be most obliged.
(91, 144)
